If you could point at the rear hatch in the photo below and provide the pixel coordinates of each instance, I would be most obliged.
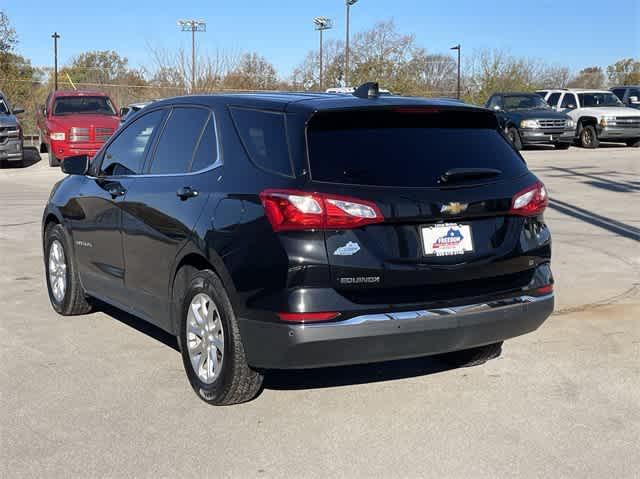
(444, 179)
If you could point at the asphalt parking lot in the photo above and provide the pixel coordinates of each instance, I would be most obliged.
(105, 395)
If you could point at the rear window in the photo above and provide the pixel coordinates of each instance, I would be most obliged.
(406, 148)
(78, 105)
(263, 135)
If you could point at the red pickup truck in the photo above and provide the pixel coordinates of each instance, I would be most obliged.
(75, 123)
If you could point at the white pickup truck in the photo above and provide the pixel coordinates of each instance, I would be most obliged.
(599, 116)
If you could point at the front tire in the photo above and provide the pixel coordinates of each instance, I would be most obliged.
(211, 347)
(589, 137)
(472, 357)
(65, 291)
(514, 137)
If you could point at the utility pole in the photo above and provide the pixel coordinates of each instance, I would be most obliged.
(322, 24)
(55, 37)
(457, 47)
(349, 4)
(193, 26)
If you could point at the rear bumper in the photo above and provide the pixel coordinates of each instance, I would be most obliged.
(389, 336)
(538, 136)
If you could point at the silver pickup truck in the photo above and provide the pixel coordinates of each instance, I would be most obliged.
(11, 140)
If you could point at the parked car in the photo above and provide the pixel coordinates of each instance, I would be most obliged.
(599, 114)
(74, 123)
(629, 95)
(128, 111)
(348, 90)
(11, 137)
(305, 230)
(528, 120)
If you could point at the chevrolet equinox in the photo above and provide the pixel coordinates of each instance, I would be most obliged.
(302, 230)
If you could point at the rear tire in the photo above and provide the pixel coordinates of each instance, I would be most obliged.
(514, 137)
(562, 146)
(53, 161)
(633, 143)
(589, 137)
(65, 291)
(210, 343)
(472, 357)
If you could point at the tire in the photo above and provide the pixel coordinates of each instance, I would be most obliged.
(53, 161)
(589, 137)
(73, 300)
(228, 379)
(562, 146)
(514, 137)
(633, 143)
(43, 145)
(472, 357)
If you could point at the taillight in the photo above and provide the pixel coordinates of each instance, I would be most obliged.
(307, 317)
(290, 210)
(531, 201)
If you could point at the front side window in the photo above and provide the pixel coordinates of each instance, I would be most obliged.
(569, 101)
(125, 155)
(179, 140)
(263, 136)
(83, 105)
(596, 100)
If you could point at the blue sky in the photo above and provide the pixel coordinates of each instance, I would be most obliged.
(564, 32)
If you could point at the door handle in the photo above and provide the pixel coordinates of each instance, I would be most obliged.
(186, 192)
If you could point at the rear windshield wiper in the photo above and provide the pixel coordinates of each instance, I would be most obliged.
(455, 174)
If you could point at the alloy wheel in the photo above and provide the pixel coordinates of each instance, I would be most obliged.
(205, 338)
(57, 271)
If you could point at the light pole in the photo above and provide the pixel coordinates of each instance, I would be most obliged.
(349, 4)
(193, 26)
(55, 37)
(322, 24)
(457, 47)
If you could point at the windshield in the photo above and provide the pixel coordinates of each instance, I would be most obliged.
(83, 105)
(591, 100)
(3, 107)
(405, 150)
(523, 102)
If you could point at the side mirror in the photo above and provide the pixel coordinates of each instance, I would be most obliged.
(497, 108)
(18, 110)
(123, 111)
(76, 165)
(634, 99)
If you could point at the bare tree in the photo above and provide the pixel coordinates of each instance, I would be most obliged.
(253, 72)
(591, 77)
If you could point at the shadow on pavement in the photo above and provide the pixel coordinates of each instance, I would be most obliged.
(302, 378)
(598, 180)
(617, 227)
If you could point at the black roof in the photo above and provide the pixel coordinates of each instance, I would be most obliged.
(285, 101)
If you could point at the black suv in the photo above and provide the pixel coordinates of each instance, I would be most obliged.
(528, 120)
(274, 231)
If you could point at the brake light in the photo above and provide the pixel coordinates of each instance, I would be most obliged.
(290, 210)
(307, 317)
(531, 201)
(544, 289)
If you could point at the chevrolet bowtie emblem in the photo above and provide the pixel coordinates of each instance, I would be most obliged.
(454, 208)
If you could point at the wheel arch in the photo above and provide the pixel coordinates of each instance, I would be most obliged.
(586, 120)
(192, 259)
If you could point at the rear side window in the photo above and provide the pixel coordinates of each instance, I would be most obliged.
(406, 149)
(179, 139)
(206, 153)
(264, 137)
